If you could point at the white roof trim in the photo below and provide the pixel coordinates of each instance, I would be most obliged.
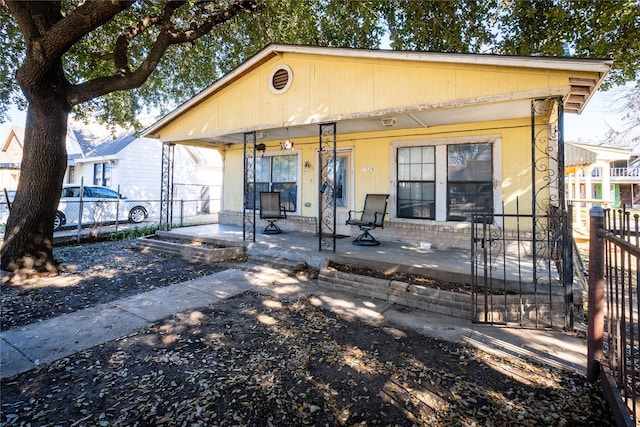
(587, 65)
(98, 159)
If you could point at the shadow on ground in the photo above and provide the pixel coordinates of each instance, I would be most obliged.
(260, 360)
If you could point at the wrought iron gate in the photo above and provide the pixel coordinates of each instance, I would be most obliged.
(522, 268)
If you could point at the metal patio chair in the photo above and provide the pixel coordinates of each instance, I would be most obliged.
(375, 208)
(271, 210)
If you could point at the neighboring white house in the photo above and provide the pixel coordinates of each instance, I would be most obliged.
(135, 166)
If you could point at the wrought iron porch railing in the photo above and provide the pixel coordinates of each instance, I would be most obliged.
(617, 172)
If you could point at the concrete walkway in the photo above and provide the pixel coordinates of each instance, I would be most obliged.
(24, 348)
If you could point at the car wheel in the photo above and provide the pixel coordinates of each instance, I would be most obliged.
(59, 221)
(137, 214)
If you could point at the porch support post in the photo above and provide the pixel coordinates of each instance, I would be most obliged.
(166, 186)
(326, 188)
(560, 155)
(249, 181)
(534, 210)
(588, 188)
(567, 230)
(570, 186)
(548, 203)
(606, 184)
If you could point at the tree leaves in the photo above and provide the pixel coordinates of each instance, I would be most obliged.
(533, 27)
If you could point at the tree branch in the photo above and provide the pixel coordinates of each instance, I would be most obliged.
(81, 21)
(170, 34)
(49, 34)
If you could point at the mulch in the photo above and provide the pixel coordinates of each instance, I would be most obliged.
(258, 360)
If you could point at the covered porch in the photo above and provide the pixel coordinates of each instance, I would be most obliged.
(444, 136)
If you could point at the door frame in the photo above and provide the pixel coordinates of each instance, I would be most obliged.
(342, 213)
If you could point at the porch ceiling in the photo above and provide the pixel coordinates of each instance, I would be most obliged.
(373, 122)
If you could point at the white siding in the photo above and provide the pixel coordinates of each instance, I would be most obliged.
(138, 171)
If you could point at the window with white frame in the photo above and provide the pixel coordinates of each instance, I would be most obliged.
(444, 181)
(416, 182)
(102, 174)
(275, 173)
(469, 181)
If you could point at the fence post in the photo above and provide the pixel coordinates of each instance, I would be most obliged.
(595, 322)
(567, 267)
(80, 209)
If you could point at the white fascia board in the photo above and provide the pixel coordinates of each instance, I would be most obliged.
(550, 63)
(97, 159)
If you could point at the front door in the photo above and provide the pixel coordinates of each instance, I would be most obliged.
(344, 190)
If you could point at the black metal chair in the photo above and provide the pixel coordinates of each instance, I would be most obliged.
(375, 208)
(271, 210)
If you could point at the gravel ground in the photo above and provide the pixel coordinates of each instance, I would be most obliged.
(256, 360)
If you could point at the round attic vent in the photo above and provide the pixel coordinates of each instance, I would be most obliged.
(280, 79)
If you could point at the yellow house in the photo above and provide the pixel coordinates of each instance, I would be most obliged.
(446, 136)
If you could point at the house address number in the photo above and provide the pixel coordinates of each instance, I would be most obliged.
(369, 169)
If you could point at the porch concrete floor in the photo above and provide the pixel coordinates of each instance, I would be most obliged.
(450, 264)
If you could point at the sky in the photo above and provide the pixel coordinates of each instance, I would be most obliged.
(599, 116)
(588, 127)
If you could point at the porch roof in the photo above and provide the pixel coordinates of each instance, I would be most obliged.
(583, 154)
(584, 78)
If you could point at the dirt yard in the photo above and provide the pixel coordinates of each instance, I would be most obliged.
(260, 361)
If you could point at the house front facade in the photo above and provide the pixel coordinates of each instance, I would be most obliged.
(602, 174)
(446, 136)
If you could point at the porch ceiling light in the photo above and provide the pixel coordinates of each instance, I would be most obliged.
(389, 122)
(287, 144)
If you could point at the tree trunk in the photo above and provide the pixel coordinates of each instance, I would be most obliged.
(28, 236)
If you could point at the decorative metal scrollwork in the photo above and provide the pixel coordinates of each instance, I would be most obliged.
(166, 186)
(548, 200)
(326, 190)
(249, 196)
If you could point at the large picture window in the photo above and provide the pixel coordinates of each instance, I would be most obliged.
(444, 181)
(416, 182)
(469, 181)
(275, 173)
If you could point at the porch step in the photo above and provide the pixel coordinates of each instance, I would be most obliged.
(401, 293)
(512, 308)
